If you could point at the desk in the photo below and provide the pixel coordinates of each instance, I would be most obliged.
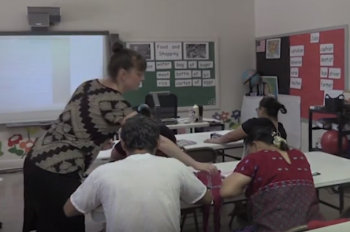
(185, 123)
(335, 228)
(196, 137)
(333, 170)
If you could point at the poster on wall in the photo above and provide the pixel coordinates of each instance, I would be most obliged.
(270, 85)
(273, 48)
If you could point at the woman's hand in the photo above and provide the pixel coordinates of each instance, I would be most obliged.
(206, 167)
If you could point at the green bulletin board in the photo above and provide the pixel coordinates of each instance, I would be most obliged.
(187, 69)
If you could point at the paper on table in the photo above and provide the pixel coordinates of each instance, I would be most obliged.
(184, 142)
(326, 60)
(296, 61)
(206, 74)
(205, 64)
(208, 82)
(163, 83)
(179, 74)
(323, 72)
(192, 64)
(334, 73)
(151, 67)
(196, 73)
(163, 75)
(326, 84)
(295, 83)
(296, 50)
(168, 50)
(180, 64)
(326, 48)
(294, 72)
(164, 65)
(315, 37)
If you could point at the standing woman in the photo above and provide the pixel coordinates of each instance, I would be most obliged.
(54, 167)
(267, 115)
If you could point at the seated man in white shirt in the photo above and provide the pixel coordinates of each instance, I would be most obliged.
(143, 191)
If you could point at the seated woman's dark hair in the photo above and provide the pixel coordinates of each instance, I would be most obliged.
(272, 106)
(266, 134)
(124, 58)
(143, 109)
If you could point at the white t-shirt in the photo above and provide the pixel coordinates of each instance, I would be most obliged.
(140, 193)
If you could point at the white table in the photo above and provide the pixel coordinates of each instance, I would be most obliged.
(335, 228)
(333, 170)
(187, 124)
(196, 137)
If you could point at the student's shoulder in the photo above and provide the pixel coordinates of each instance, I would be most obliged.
(258, 121)
(173, 163)
(250, 124)
(167, 132)
(100, 172)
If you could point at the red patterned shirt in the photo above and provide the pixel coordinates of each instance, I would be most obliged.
(281, 195)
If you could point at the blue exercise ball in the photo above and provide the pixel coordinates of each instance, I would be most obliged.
(251, 76)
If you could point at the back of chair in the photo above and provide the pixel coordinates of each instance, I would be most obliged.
(204, 155)
(345, 214)
(168, 104)
(299, 229)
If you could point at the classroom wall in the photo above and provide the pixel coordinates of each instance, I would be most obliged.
(231, 21)
(273, 17)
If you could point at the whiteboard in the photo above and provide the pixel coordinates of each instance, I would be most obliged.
(39, 73)
(291, 121)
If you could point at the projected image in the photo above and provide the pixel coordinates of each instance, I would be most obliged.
(144, 49)
(46, 70)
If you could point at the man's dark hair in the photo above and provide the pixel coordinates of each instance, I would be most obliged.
(140, 133)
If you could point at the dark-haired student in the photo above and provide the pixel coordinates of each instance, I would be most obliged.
(267, 113)
(55, 165)
(141, 192)
(118, 152)
(278, 184)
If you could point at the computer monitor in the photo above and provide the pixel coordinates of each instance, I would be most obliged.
(163, 104)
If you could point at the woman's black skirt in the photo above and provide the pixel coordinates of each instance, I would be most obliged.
(45, 194)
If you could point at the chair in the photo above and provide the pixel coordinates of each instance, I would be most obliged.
(168, 104)
(205, 155)
(345, 214)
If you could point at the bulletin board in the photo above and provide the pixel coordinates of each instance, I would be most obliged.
(188, 68)
(317, 64)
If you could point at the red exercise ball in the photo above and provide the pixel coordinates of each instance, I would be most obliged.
(329, 142)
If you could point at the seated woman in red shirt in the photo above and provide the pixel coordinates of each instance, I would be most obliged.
(118, 153)
(278, 183)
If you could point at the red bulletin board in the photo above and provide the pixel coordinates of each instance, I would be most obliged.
(309, 72)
